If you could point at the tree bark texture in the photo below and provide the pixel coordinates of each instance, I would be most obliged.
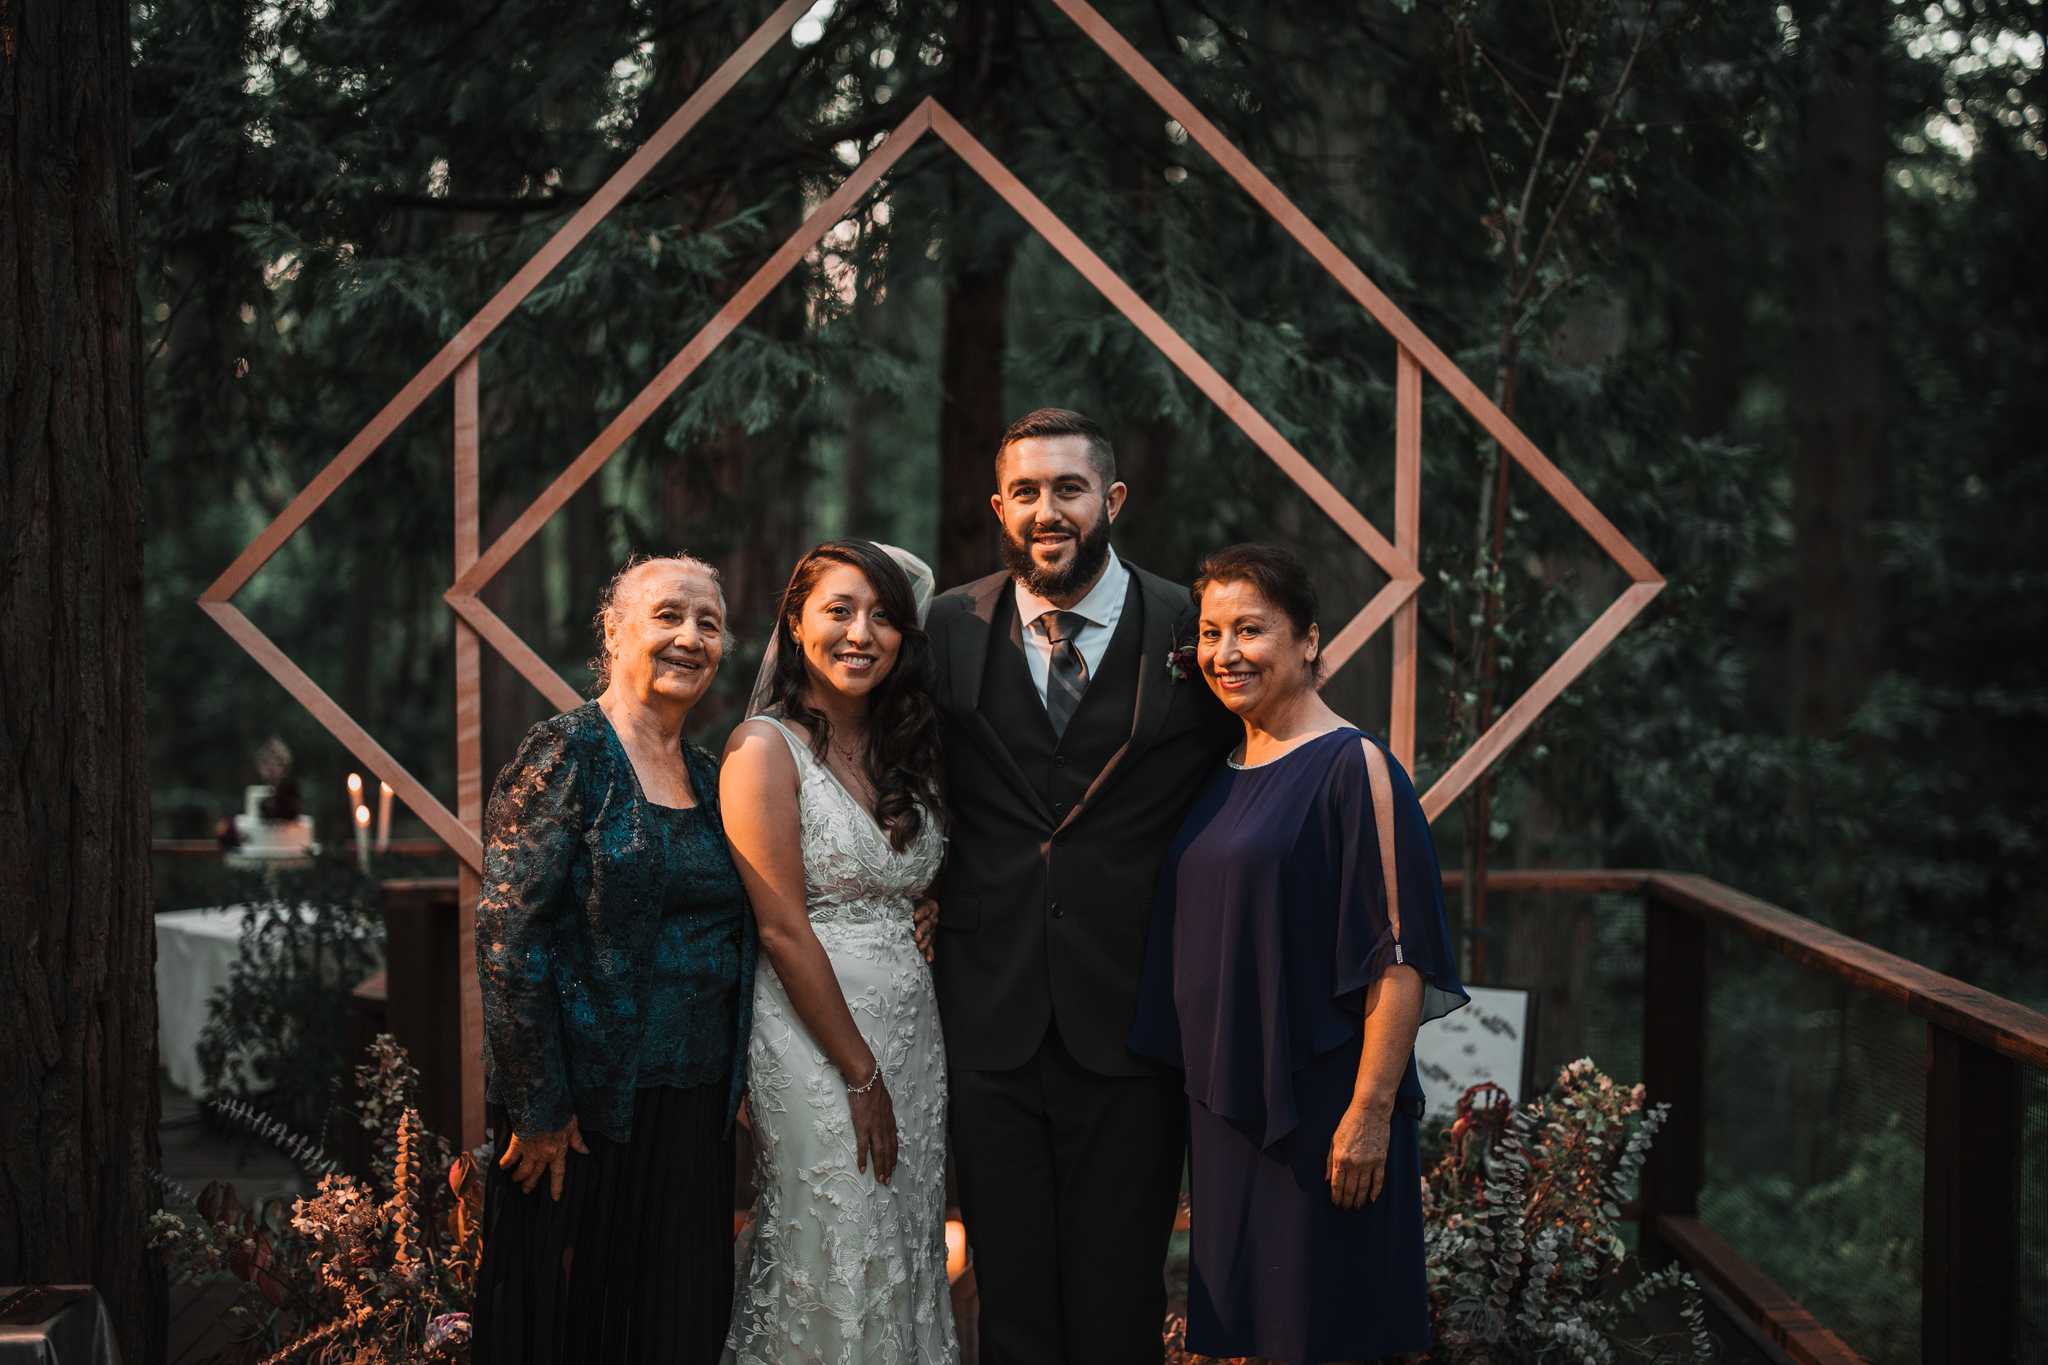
(1839, 286)
(78, 1092)
(981, 249)
(971, 418)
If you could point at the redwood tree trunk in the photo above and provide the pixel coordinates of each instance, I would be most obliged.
(981, 249)
(78, 1096)
(1838, 406)
(971, 418)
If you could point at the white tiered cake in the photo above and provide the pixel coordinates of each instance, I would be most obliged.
(269, 843)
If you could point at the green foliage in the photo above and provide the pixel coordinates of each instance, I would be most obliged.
(1862, 1275)
(274, 1037)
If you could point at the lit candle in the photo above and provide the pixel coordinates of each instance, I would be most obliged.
(956, 1250)
(355, 790)
(383, 816)
(363, 837)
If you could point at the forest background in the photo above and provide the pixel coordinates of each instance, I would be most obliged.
(1764, 280)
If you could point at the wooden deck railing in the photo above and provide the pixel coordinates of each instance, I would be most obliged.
(1979, 1046)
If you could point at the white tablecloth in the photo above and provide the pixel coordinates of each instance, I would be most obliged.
(195, 950)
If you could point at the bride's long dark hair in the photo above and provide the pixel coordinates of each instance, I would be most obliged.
(902, 755)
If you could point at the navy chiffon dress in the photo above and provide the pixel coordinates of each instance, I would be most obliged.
(1272, 921)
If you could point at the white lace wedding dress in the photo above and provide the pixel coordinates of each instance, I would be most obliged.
(839, 1269)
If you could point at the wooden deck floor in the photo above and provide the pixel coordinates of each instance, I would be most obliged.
(195, 1155)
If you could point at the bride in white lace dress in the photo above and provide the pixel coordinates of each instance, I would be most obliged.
(831, 806)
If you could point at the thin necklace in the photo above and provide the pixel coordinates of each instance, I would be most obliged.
(851, 757)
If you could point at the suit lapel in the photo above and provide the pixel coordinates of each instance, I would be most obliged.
(1159, 609)
(967, 661)
(967, 650)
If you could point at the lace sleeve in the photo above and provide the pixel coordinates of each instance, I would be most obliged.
(533, 829)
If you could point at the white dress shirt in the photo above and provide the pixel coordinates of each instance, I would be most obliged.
(1100, 610)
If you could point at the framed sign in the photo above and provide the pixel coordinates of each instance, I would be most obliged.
(1488, 1040)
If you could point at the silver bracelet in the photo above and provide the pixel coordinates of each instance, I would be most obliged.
(868, 1084)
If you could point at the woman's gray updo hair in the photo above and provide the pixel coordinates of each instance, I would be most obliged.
(608, 607)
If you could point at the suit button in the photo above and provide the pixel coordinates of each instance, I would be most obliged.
(1059, 760)
(1057, 913)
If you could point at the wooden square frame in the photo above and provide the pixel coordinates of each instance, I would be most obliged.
(1416, 356)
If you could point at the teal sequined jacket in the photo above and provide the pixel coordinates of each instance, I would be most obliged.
(615, 947)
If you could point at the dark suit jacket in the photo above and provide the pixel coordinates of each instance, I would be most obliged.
(1042, 911)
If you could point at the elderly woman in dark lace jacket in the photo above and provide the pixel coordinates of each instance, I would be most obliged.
(615, 952)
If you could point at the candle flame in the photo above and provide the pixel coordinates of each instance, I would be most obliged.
(384, 788)
(956, 1250)
(363, 816)
(355, 784)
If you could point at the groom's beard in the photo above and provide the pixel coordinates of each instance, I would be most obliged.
(1091, 552)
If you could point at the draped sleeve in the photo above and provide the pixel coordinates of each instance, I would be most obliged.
(533, 832)
(1384, 920)
(1275, 916)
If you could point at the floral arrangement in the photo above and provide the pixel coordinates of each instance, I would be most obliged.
(370, 1272)
(1521, 1237)
(1522, 1228)
(1180, 662)
(1522, 1233)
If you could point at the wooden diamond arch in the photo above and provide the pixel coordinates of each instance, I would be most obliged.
(1416, 355)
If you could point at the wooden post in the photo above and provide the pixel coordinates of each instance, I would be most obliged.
(1408, 540)
(422, 938)
(1969, 1289)
(469, 748)
(1674, 1063)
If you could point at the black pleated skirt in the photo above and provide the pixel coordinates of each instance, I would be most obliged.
(634, 1264)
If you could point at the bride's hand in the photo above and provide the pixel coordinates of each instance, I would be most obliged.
(874, 1129)
(923, 920)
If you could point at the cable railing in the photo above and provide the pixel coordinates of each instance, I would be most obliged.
(1983, 1055)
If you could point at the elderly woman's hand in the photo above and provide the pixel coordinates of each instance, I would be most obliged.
(1358, 1156)
(528, 1158)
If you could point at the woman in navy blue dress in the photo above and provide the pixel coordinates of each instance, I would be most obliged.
(1297, 944)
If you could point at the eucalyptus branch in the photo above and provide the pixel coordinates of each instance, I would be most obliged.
(1536, 158)
(1528, 110)
(1535, 310)
(1586, 156)
(1464, 39)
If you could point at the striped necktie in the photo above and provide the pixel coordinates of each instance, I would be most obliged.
(1066, 676)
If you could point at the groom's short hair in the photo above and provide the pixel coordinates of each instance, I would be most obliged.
(1062, 422)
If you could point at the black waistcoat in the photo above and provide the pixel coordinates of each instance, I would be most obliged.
(1062, 767)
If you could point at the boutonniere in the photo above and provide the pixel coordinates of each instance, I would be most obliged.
(1180, 662)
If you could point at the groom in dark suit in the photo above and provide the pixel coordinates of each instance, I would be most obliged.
(1071, 754)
